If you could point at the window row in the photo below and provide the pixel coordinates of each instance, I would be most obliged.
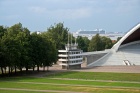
(74, 57)
(77, 61)
(75, 52)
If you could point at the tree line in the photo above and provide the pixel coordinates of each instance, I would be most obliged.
(22, 49)
(97, 43)
(19, 48)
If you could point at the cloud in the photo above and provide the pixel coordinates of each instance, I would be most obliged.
(82, 13)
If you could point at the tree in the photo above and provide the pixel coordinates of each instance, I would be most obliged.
(2, 52)
(36, 51)
(23, 39)
(2, 31)
(15, 46)
(58, 34)
(19, 49)
(107, 42)
(50, 56)
(8, 44)
(95, 43)
(83, 43)
(118, 38)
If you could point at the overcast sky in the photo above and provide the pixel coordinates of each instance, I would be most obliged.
(38, 15)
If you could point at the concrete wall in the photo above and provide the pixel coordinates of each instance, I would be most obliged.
(75, 66)
(91, 58)
(78, 66)
(127, 55)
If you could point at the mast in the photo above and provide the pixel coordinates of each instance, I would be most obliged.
(68, 38)
(71, 38)
(75, 40)
(68, 52)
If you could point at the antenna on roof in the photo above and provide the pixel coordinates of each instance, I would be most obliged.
(68, 38)
(75, 40)
(71, 38)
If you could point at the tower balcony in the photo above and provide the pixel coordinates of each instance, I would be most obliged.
(75, 59)
(62, 59)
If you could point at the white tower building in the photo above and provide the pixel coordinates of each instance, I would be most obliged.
(71, 57)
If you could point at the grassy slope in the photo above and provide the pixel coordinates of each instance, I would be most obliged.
(99, 76)
(67, 87)
(89, 86)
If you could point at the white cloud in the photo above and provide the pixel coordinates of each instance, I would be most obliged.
(72, 12)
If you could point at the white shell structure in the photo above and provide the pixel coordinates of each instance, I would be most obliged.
(125, 52)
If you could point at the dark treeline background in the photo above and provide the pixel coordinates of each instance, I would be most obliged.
(20, 48)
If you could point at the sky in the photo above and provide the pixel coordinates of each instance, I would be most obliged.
(38, 15)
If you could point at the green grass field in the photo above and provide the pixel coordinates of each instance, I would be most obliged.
(98, 76)
(88, 82)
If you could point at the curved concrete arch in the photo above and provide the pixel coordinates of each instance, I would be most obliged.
(132, 35)
(125, 52)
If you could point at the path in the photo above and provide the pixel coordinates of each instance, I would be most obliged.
(119, 69)
(34, 90)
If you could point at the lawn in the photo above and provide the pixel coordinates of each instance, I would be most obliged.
(88, 82)
(98, 76)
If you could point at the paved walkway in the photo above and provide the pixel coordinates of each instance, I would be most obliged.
(119, 69)
(97, 80)
(34, 90)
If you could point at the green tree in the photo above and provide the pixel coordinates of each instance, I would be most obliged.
(15, 46)
(59, 35)
(2, 31)
(83, 43)
(118, 38)
(50, 56)
(19, 49)
(9, 45)
(2, 51)
(23, 39)
(95, 43)
(36, 51)
(86, 40)
(107, 42)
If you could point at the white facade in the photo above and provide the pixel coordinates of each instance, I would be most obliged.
(71, 57)
(101, 32)
(125, 52)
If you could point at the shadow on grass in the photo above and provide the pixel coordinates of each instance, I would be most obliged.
(72, 75)
(23, 75)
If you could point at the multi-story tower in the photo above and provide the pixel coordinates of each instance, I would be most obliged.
(71, 57)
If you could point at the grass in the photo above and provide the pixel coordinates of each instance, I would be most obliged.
(75, 81)
(99, 76)
(67, 87)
